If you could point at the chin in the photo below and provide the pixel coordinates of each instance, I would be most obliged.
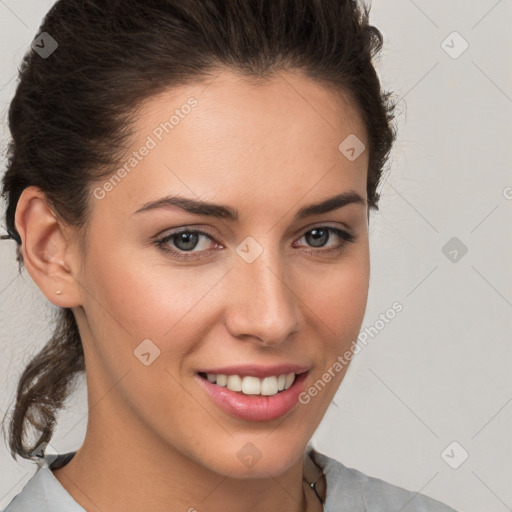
(257, 457)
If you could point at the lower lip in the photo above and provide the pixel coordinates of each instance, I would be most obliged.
(255, 407)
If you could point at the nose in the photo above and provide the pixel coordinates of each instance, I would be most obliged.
(263, 303)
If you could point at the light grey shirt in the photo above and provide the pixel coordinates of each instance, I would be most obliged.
(348, 490)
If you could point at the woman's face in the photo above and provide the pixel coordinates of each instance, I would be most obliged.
(273, 283)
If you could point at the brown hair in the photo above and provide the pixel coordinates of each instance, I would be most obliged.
(71, 115)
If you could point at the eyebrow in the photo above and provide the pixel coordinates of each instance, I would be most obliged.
(221, 211)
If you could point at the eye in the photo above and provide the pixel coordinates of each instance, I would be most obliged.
(318, 236)
(188, 240)
(185, 240)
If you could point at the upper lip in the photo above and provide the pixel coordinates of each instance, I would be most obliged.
(257, 370)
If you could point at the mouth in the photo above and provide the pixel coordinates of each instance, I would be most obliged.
(251, 398)
(251, 385)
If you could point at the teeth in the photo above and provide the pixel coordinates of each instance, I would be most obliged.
(250, 385)
(234, 383)
(222, 380)
(289, 380)
(269, 386)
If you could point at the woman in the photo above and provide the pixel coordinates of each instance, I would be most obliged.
(195, 200)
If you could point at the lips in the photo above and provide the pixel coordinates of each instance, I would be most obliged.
(254, 407)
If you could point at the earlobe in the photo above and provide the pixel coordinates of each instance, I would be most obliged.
(45, 249)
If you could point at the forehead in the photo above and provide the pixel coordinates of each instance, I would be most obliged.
(229, 100)
(231, 136)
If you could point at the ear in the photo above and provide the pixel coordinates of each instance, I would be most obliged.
(50, 258)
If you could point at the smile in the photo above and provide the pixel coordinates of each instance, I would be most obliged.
(253, 398)
(250, 385)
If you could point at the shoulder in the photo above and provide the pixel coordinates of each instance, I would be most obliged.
(350, 489)
(43, 492)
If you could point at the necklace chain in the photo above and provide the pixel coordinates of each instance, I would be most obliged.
(313, 486)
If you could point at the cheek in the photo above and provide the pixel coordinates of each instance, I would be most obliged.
(338, 296)
(132, 300)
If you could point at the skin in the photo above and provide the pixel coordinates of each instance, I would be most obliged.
(155, 440)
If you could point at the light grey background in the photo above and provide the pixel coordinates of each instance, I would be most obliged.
(440, 371)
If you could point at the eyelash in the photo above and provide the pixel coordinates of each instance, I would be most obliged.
(161, 243)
